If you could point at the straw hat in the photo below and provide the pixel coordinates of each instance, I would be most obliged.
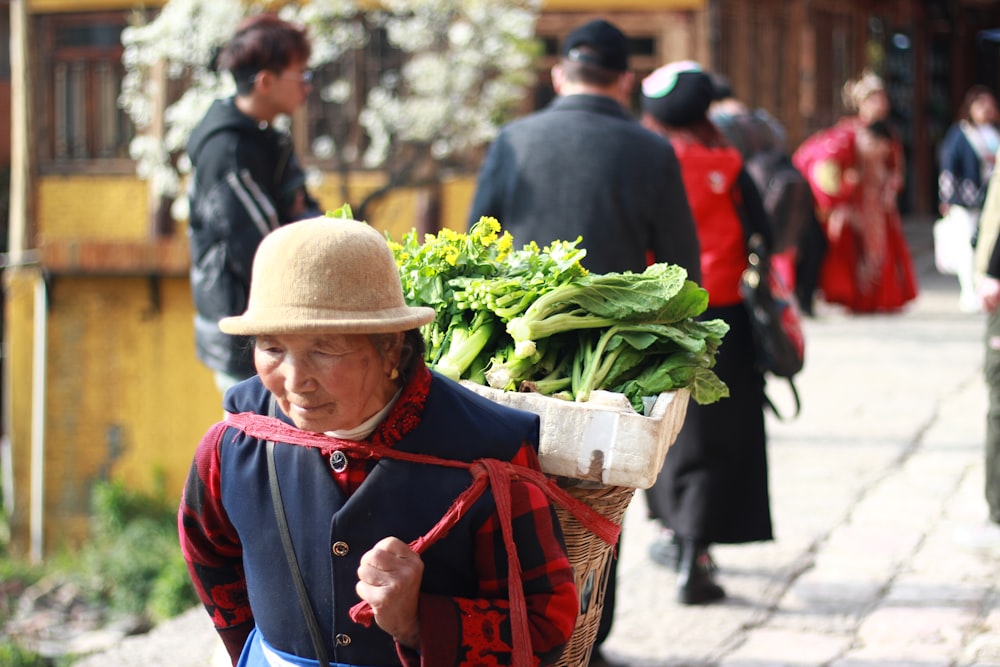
(325, 275)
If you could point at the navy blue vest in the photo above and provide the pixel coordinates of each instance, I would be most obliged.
(330, 533)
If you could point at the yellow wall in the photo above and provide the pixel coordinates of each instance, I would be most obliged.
(92, 207)
(125, 397)
(397, 213)
(42, 6)
(74, 207)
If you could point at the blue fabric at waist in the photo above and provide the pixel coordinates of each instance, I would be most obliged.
(258, 653)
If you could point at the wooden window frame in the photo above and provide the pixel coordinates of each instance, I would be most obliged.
(83, 80)
(364, 69)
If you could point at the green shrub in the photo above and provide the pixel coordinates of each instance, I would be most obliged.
(13, 654)
(133, 561)
(173, 592)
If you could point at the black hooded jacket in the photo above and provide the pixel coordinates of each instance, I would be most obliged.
(245, 184)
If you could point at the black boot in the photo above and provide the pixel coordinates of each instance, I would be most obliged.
(666, 548)
(695, 584)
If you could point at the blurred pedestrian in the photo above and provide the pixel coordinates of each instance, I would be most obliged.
(583, 167)
(342, 476)
(987, 274)
(967, 158)
(855, 169)
(714, 484)
(799, 244)
(246, 182)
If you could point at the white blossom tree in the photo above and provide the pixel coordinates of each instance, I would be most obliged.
(463, 67)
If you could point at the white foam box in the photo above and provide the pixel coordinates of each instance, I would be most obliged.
(602, 440)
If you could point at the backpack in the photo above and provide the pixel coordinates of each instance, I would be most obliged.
(775, 319)
(776, 323)
(786, 195)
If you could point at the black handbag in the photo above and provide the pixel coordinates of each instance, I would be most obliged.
(775, 319)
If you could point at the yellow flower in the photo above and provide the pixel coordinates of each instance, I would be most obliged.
(504, 246)
(486, 230)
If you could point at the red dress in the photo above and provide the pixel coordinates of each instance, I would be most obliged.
(855, 177)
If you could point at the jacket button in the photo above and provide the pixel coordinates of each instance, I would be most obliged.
(338, 461)
(340, 548)
(343, 640)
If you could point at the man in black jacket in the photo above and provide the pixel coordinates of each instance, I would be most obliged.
(246, 183)
(584, 167)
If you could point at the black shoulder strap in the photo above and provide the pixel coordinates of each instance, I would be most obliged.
(795, 397)
(293, 564)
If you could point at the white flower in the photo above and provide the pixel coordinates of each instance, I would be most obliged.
(461, 34)
(337, 92)
(314, 177)
(324, 147)
(180, 208)
(466, 65)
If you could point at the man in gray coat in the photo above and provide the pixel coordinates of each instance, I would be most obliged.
(584, 167)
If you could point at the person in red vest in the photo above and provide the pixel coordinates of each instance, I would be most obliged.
(713, 487)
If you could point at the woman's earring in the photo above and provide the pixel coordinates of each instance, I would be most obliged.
(394, 374)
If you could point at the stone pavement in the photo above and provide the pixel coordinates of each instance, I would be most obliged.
(875, 489)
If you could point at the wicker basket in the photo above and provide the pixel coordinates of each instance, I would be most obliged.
(600, 451)
(591, 560)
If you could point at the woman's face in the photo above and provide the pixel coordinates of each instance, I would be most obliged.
(327, 382)
(983, 110)
(874, 107)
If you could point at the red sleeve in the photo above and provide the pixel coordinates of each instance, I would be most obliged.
(822, 159)
(211, 545)
(477, 631)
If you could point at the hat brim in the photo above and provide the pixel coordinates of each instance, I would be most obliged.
(285, 322)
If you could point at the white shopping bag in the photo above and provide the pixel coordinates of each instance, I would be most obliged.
(953, 236)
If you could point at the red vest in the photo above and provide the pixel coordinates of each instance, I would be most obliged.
(710, 182)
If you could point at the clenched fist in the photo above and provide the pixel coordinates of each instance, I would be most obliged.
(389, 579)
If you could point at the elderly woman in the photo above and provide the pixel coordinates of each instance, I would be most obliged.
(288, 523)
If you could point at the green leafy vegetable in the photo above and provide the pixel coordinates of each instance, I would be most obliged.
(534, 319)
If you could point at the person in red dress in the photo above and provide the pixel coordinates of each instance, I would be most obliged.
(855, 170)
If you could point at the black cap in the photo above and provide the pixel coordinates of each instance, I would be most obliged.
(677, 94)
(608, 46)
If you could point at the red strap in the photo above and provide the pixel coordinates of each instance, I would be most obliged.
(496, 474)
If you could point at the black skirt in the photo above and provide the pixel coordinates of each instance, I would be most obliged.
(713, 487)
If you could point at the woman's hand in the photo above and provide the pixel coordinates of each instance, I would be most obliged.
(389, 579)
(838, 220)
(989, 293)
